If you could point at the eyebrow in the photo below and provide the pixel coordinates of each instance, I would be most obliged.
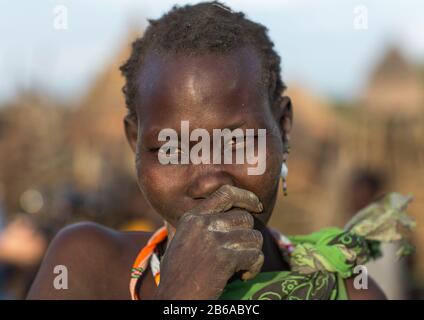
(152, 133)
(238, 125)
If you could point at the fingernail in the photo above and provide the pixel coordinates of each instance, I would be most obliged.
(260, 206)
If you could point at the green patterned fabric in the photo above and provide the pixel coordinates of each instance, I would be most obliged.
(322, 260)
(287, 285)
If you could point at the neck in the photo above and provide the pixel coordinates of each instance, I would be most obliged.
(273, 259)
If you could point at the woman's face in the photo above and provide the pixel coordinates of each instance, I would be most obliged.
(210, 91)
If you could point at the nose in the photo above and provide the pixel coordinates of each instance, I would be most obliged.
(205, 182)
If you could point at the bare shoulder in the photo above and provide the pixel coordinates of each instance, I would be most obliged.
(94, 257)
(373, 292)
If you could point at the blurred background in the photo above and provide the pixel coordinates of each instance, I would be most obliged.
(355, 72)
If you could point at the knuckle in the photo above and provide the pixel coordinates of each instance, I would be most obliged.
(257, 237)
(255, 256)
(224, 198)
(226, 189)
(247, 219)
(216, 224)
(224, 192)
(251, 259)
(191, 219)
(242, 218)
(252, 196)
(187, 217)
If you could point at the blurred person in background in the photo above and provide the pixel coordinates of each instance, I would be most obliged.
(22, 245)
(366, 186)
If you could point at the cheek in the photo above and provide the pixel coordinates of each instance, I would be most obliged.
(160, 184)
(263, 185)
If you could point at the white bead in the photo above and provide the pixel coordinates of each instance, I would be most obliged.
(284, 171)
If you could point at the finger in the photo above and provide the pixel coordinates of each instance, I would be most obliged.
(250, 261)
(254, 269)
(242, 197)
(227, 197)
(243, 239)
(231, 220)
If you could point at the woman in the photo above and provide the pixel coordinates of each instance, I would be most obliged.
(216, 69)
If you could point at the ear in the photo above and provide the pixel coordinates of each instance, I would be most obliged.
(131, 131)
(285, 116)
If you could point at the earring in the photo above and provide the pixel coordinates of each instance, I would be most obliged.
(284, 168)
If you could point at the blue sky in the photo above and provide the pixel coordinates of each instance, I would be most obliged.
(319, 45)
